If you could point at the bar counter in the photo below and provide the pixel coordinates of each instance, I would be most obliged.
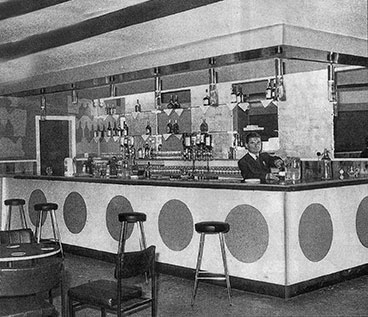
(283, 240)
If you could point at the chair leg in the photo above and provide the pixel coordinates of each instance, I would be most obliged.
(70, 308)
(143, 236)
(7, 224)
(23, 217)
(198, 267)
(39, 228)
(56, 231)
(226, 271)
(103, 312)
(50, 296)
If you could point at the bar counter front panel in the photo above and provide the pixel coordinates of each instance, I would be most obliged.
(280, 236)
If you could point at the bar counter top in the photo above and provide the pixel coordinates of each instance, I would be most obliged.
(224, 183)
(285, 239)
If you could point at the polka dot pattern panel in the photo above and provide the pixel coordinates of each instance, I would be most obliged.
(248, 237)
(75, 212)
(37, 197)
(361, 222)
(175, 224)
(315, 232)
(117, 205)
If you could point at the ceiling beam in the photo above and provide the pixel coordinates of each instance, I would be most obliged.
(14, 8)
(136, 14)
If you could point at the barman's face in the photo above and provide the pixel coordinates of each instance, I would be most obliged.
(254, 145)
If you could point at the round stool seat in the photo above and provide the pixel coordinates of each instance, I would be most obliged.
(212, 227)
(14, 202)
(132, 217)
(46, 206)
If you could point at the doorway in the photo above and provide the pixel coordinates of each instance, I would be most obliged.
(55, 140)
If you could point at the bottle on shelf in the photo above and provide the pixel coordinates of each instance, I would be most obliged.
(170, 105)
(206, 99)
(138, 107)
(326, 165)
(148, 128)
(109, 130)
(273, 89)
(268, 90)
(97, 132)
(239, 95)
(233, 98)
(208, 140)
(115, 131)
(125, 128)
(121, 131)
(176, 102)
(146, 151)
(169, 127)
(140, 153)
(176, 127)
(204, 126)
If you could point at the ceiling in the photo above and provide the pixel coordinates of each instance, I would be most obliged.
(44, 36)
(47, 43)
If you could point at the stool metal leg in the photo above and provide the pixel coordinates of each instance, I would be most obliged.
(143, 242)
(198, 267)
(226, 271)
(123, 235)
(23, 217)
(53, 225)
(7, 224)
(56, 231)
(39, 228)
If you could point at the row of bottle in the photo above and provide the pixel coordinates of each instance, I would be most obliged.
(237, 95)
(114, 131)
(119, 131)
(172, 104)
(197, 139)
(123, 130)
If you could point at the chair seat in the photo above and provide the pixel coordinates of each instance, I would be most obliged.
(212, 227)
(14, 202)
(103, 293)
(46, 206)
(132, 217)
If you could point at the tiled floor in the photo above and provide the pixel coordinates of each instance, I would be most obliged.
(349, 298)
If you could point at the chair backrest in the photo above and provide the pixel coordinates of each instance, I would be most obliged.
(39, 278)
(16, 236)
(136, 263)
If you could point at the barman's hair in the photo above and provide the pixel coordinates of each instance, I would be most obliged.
(251, 135)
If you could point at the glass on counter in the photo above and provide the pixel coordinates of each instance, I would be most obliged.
(292, 169)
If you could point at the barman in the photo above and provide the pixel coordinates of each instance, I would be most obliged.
(257, 164)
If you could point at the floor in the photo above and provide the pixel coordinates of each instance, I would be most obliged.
(348, 298)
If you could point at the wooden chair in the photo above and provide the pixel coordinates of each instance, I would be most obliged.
(22, 290)
(104, 294)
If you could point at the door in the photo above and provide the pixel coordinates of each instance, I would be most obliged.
(54, 145)
(55, 142)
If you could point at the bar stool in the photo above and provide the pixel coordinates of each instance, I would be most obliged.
(13, 203)
(48, 207)
(211, 227)
(132, 217)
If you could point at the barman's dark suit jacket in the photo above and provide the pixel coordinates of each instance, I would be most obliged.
(250, 168)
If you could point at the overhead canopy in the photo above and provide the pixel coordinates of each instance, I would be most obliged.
(53, 42)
